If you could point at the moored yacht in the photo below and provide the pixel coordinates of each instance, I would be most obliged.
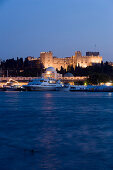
(42, 84)
(12, 85)
(12, 88)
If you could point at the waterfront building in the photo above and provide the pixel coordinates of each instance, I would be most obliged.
(69, 78)
(51, 73)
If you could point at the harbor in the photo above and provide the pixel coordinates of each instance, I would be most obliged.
(50, 84)
(52, 81)
(56, 85)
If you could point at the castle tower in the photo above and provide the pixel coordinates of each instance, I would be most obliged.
(47, 59)
(74, 61)
(78, 56)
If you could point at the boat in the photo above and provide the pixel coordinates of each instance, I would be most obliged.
(92, 88)
(77, 88)
(43, 84)
(12, 85)
(13, 88)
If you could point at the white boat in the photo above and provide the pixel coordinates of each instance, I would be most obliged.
(78, 88)
(43, 85)
(12, 88)
(12, 85)
(92, 88)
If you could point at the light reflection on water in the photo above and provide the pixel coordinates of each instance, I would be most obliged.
(56, 130)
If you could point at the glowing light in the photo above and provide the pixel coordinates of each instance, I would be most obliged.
(108, 84)
(48, 72)
(85, 84)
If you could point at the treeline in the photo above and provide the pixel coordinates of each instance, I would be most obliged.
(20, 67)
(98, 73)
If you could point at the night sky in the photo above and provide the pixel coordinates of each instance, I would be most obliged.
(28, 27)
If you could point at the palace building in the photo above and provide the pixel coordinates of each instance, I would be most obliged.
(90, 59)
(48, 60)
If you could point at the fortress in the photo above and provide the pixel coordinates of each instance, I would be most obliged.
(48, 60)
(77, 60)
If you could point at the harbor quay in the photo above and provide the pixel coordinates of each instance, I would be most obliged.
(24, 80)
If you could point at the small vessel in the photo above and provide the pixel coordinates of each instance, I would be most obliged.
(12, 88)
(42, 84)
(12, 85)
(92, 88)
(78, 88)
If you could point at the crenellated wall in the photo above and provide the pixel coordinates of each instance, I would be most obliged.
(77, 60)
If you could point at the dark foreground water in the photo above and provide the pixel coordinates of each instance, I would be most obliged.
(56, 131)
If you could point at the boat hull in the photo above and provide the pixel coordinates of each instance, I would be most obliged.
(46, 88)
(12, 89)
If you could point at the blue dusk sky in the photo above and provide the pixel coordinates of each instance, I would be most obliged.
(28, 27)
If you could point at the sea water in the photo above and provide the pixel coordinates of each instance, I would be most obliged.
(56, 131)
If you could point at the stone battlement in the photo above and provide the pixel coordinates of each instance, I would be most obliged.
(77, 60)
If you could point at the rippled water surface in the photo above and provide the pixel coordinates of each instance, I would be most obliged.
(56, 131)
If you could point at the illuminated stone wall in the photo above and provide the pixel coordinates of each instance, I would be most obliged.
(47, 59)
(78, 60)
(85, 61)
(64, 62)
